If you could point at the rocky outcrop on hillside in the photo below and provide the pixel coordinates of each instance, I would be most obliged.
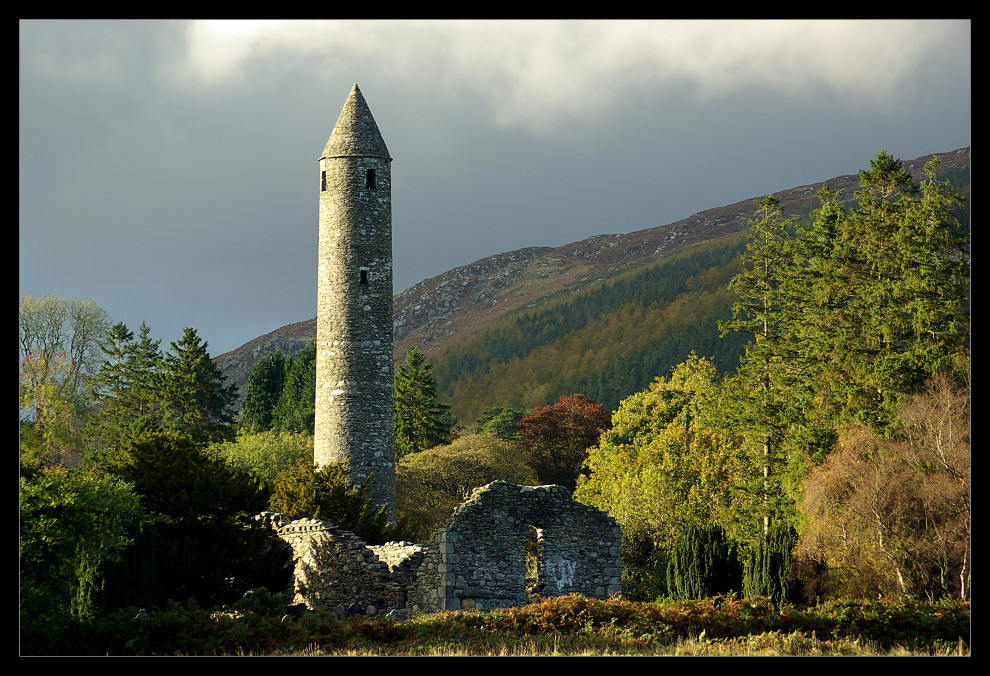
(462, 300)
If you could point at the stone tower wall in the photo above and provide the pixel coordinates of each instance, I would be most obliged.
(355, 404)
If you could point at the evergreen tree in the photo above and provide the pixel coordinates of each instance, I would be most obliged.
(761, 389)
(768, 566)
(145, 367)
(703, 563)
(848, 316)
(889, 308)
(421, 422)
(296, 408)
(127, 392)
(196, 401)
(264, 389)
(105, 432)
(500, 422)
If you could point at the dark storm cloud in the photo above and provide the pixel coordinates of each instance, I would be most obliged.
(167, 169)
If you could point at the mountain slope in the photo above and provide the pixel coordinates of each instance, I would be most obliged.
(441, 310)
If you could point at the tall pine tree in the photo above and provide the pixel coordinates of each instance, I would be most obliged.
(127, 390)
(421, 422)
(264, 388)
(197, 403)
(766, 311)
(889, 308)
(296, 408)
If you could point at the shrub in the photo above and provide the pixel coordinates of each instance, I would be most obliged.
(430, 484)
(306, 491)
(202, 541)
(704, 563)
(644, 565)
(768, 566)
(265, 454)
(72, 525)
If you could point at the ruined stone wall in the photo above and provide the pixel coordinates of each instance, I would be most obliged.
(335, 570)
(477, 560)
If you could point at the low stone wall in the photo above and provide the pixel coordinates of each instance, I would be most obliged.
(335, 570)
(477, 560)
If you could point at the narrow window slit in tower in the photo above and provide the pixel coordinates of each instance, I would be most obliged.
(371, 179)
(364, 275)
(323, 181)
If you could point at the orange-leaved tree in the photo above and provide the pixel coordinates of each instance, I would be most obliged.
(556, 438)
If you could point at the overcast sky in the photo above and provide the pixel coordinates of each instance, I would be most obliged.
(168, 169)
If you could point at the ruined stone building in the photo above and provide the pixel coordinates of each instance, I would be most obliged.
(477, 559)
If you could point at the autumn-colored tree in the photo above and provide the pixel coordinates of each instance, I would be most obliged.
(893, 516)
(556, 438)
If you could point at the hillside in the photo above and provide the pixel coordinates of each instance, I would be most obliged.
(441, 311)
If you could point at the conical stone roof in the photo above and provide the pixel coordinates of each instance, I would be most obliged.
(356, 133)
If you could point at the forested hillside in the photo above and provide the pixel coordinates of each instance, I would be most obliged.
(605, 342)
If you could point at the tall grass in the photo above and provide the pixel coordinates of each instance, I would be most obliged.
(572, 625)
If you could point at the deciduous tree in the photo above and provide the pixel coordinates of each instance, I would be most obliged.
(556, 438)
(60, 347)
(664, 465)
(71, 525)
(430, 484)
(893, 516)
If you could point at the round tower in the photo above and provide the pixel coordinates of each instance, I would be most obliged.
(355, 399)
